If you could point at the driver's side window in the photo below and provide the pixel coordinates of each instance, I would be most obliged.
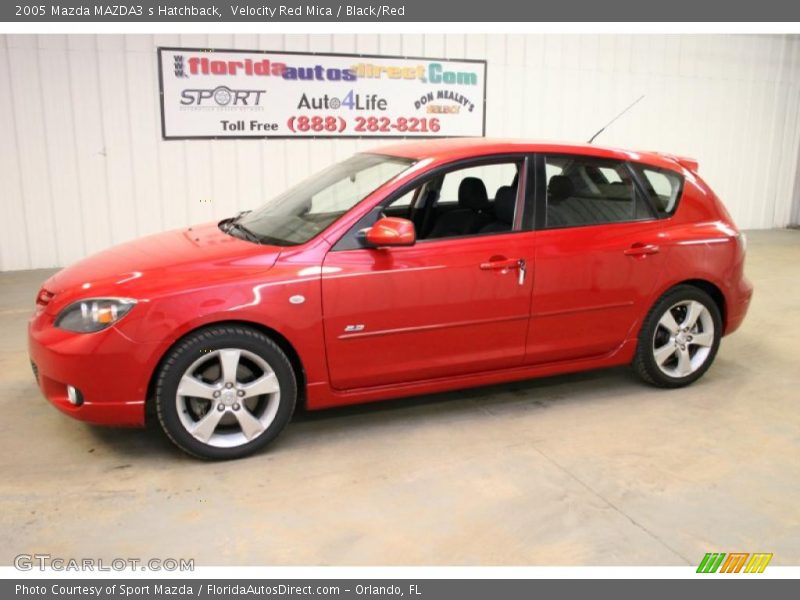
(473, 200)
(478, 199)
(403, 206)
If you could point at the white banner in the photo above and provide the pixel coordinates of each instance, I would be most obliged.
(251, 94)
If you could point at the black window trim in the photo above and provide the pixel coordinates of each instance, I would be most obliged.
(353, 240)
(540, 201)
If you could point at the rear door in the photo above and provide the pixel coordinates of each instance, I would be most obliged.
(443, 307)
(598, 258)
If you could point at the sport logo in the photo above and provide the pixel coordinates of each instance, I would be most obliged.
(221, 96)
(716, 562)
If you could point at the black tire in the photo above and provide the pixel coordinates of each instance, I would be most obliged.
(645, 363)
(206, 342)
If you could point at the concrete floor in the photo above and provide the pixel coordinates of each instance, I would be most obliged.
(592, 469)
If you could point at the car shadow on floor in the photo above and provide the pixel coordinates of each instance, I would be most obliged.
(309, 427)
(540, 392)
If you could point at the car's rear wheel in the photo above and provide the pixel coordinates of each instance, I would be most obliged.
(224, 392)
(679, 338)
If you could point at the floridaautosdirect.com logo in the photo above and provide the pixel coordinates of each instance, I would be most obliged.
(433, 72)
(734, 562)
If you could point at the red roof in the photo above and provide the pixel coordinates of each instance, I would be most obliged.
(446, 149)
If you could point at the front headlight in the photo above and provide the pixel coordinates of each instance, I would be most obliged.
(93, 314)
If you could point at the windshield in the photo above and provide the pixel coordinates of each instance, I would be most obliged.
(303, 211)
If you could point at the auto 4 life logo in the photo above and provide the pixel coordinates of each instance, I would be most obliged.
(734, 562)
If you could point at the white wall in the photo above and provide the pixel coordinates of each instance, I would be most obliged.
(82, 165)
(794, 218)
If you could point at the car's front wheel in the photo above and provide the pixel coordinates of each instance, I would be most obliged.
(224, 392)
(679, 338)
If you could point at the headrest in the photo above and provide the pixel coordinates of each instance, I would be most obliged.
(504, 203)
(559, 188)
(472, 194)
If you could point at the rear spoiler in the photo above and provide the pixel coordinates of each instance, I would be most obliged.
(688, 163)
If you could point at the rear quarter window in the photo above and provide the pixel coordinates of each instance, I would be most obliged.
(663, 186)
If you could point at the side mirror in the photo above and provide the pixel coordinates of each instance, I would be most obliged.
(391, 231)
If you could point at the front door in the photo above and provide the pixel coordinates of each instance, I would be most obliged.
(457, 302)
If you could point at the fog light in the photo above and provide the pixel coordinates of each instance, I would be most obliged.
(74, 395)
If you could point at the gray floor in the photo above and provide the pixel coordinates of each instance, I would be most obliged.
(593, 469)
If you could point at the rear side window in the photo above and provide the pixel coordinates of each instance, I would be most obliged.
(583, 191)
(663, 186)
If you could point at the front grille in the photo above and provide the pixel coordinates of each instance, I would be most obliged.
(35, 370)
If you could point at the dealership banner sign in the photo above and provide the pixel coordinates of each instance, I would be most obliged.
(208, 94)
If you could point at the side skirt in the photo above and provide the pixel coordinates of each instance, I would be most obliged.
(321, 395)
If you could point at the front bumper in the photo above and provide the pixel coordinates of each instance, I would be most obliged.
(110, 371)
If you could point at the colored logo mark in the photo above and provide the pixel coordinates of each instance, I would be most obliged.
(734, 562)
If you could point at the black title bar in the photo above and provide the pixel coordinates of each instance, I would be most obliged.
(438, 11)
(700, 588)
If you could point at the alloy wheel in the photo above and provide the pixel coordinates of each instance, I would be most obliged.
(683, 338)
(228, 397)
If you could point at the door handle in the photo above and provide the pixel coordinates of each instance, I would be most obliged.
(640, 249)
(503, 264)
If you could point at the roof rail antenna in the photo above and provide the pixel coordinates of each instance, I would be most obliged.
(603, 128)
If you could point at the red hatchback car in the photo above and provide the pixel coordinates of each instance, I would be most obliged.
(416, 268)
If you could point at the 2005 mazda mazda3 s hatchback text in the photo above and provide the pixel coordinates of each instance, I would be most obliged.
(416, 268)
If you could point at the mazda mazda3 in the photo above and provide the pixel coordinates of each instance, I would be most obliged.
(415, 268)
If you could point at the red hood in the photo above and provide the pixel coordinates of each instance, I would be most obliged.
(144, 267)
